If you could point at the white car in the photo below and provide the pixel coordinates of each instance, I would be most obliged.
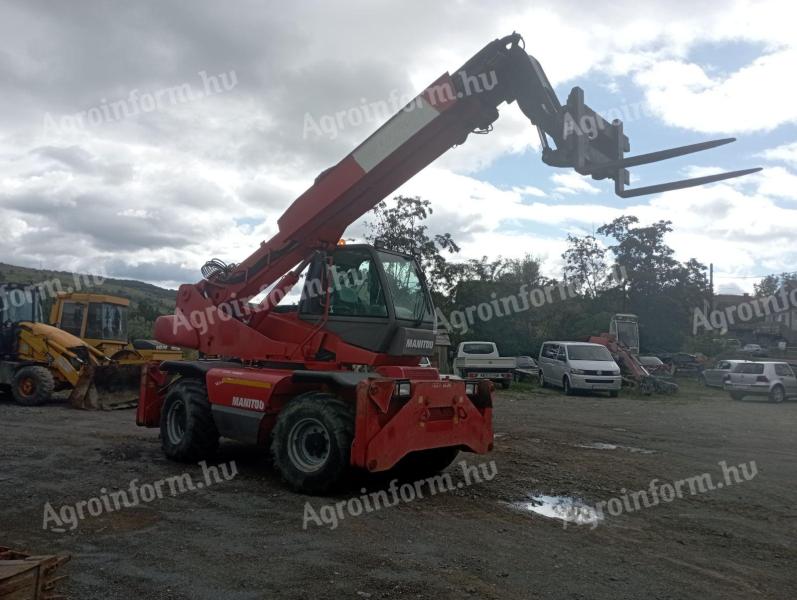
(579, 366)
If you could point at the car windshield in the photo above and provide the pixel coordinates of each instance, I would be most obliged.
(589, 353)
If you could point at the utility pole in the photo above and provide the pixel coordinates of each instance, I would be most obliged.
(711, 285)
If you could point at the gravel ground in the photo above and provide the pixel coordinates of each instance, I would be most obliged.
(243, 538)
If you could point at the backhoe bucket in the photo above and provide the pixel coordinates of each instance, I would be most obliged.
(106, 387)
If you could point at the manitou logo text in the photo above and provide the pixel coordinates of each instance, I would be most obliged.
(420, 344)
(251, 403)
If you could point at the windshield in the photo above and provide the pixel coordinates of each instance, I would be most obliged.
(106, 322)
(589, 353)
(478, 349)
(19, 304)
(406, 286)
(356, 289)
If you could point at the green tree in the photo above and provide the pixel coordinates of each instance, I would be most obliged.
(585, 264)
(400, 227)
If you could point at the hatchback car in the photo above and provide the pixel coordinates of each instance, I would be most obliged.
(775, 380)
(715, 376)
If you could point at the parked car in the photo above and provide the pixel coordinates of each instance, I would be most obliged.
(754, 350)
(480, 360)
(683, 363)
(654, 365)
(775, 380)
(578, 366)
(715, 376)
(526, 368)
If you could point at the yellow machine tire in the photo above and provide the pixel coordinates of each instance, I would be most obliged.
(32, 386)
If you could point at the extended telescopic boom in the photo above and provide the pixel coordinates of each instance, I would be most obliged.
(440, 117)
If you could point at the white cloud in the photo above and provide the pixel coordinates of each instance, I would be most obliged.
(573, 183)
(786, 153)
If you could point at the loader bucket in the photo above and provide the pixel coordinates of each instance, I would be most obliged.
(106, 387)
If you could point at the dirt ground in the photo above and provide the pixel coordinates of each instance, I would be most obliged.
(244, 538)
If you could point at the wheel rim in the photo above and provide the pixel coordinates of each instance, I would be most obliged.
(777, 394)
(308, 445)
(176, 422)
(27, 386)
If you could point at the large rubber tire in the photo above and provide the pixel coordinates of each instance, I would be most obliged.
(188, 432)
(542, 381)
(777, 394)
(614, 393)
(736, 395)
(311, 442)
(424, 463)
(566, 385)
(32, 386)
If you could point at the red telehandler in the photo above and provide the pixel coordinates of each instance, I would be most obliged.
(333, 383)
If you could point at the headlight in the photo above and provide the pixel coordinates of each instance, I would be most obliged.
(402, 389)
(577, 371)
(471, 388)
(615, 373)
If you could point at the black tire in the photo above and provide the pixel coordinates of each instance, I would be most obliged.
(736, 395)
(311, 442)
(425, 463)
(566, 385)
(614, 393)
(32, 386)
(505, 384)
(703, 380)
(777, 394)
(188, 432)
(542, 380)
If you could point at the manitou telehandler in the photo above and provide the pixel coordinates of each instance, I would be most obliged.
(333, 383)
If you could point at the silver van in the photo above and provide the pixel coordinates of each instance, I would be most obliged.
(579, 366)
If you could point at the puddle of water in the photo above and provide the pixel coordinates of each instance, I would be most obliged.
(564, 508)
(604, 446)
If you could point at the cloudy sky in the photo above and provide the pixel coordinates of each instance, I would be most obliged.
(140, 139)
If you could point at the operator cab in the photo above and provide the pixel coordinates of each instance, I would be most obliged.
(18, 304)
(377, 299)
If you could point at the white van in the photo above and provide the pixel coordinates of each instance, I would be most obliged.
(579, 366)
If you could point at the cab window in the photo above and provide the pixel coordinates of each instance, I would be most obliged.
(356, 288)
(72, 318)
(106, 322)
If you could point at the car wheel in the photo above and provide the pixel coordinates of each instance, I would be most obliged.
(614, 393)
(542, 380)
(703, 380)
(777, 394)
(567, 388)
(737, 395)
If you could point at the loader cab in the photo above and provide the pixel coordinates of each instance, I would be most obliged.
(625, 328)
(372, 298)
(18, 304)
(99, 319)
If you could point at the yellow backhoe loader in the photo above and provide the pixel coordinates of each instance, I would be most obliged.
(37, 359)
(101, 321)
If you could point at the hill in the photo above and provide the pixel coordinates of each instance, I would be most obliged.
(147, 301)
